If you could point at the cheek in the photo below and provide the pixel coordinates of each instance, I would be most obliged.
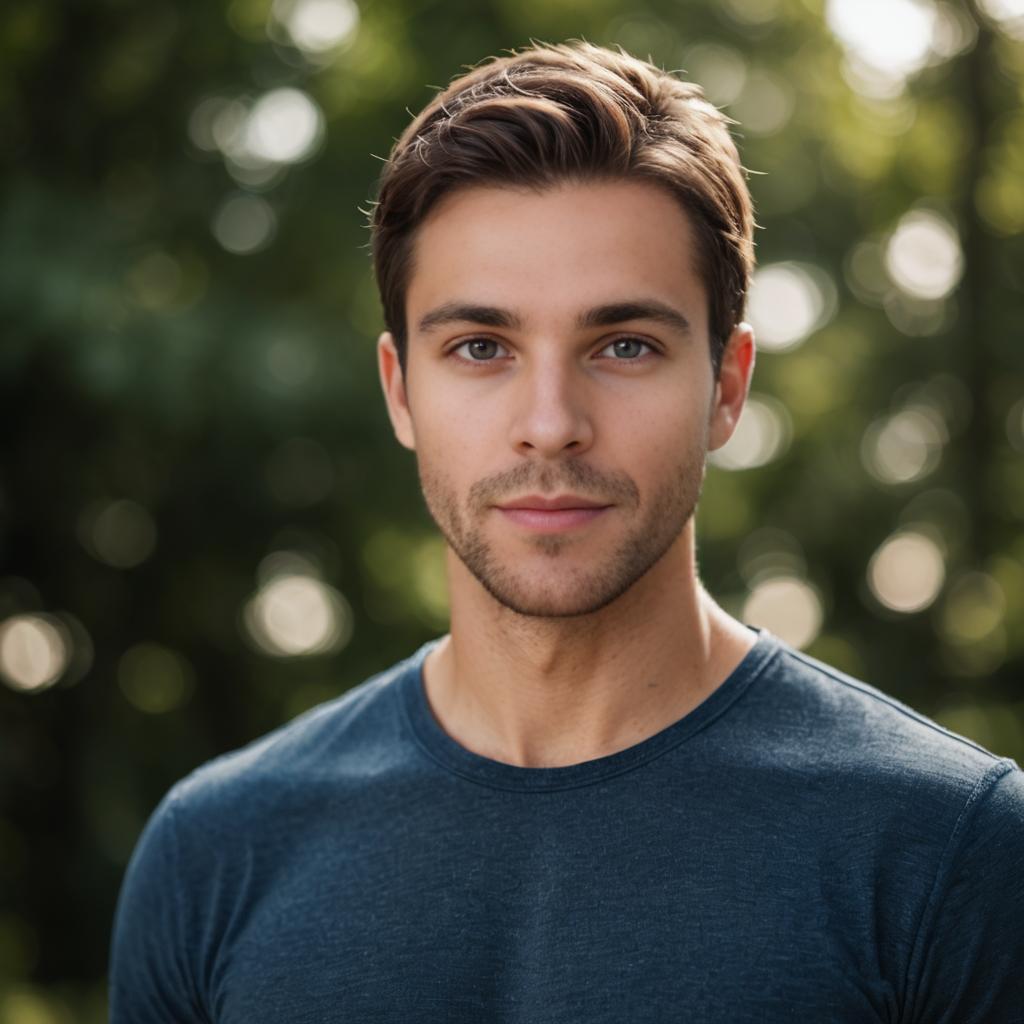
(456, 428)
(668, 427)
(451, 453)
(438, 408)
(440, 489)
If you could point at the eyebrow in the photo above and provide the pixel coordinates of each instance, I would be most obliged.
(606, 315)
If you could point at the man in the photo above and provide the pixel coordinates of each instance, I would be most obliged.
(598, 797)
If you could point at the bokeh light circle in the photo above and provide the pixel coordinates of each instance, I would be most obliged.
(905, 446)
(34, 651)
(283, 127)
(888, 40)
(318, 26)
(787, 302)
(244, 224)
(294, 613)
(762, 434)
(154, 679)
(923, 256)
(788, 606)
(119, 533)
(907, 571)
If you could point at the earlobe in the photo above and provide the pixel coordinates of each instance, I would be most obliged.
(733, 385)
(392, 382)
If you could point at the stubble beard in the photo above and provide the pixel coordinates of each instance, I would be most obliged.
(657, 524)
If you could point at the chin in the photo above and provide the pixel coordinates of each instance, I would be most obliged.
(537, 599)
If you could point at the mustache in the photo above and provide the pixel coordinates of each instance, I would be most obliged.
(578, 477)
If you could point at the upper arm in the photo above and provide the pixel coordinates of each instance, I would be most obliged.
(152, 980)
(968, 962)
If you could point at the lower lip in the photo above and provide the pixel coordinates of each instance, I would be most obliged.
(552, 520)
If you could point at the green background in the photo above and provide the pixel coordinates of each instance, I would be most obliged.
(174, 412)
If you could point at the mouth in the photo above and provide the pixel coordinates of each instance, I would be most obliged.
(552, 520)
(565, 502)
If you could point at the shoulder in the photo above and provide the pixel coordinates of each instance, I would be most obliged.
(332, 746)
(890, 800)
(833, 726)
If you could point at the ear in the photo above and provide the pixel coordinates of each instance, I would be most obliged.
(393, 384)
(732, 386)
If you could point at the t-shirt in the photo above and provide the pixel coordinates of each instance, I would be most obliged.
(798, 847)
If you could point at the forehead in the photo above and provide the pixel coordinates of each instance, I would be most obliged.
(552, 252)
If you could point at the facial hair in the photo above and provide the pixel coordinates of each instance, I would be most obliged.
(653, 526)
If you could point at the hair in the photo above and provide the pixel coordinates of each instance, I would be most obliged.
(571, 112)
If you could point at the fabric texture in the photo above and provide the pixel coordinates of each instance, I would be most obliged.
(800, 846)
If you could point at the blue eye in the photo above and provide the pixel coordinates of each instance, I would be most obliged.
(482, 347)
(487, 350)
(626, 349)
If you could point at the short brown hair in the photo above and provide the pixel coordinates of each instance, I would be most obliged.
(570, 112)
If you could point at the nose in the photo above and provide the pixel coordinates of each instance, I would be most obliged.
(552, 415)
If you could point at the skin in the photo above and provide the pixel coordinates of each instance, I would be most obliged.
(570, 646)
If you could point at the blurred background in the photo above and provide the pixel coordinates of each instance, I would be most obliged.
(206, 526)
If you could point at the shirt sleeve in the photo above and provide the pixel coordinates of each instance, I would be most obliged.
(151, 979)
(968, 963)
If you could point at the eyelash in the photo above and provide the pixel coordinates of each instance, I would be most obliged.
(485, 362)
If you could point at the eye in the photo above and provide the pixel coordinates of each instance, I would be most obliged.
(481, 350)
(628, 349)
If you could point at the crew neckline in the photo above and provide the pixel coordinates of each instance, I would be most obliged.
(457, 759)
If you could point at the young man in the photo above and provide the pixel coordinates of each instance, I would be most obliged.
(598, 798)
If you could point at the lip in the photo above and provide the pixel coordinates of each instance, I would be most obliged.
(534, 502)
(553, 520)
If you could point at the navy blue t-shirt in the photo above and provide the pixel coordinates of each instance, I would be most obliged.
(799, 847)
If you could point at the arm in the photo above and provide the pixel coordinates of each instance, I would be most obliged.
(151, 975)
(968, 962)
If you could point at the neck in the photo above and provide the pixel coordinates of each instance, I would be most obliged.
(548, 692)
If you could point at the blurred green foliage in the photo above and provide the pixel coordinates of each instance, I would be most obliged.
(188, 385)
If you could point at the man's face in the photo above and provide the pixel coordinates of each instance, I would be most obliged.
(558, 346)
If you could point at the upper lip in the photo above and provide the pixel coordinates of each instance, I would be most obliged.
(535, 501)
